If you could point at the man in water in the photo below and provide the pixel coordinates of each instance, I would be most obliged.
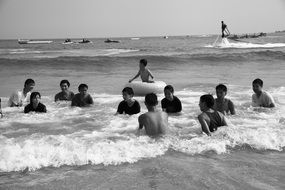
(225, 30)
(82, 99)
(154, 121)
(20, 98)
(210, 119)
(261, 98)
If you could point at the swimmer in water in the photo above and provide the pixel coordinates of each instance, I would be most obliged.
(143, 72)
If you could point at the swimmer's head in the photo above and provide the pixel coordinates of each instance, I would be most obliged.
(128, 93)
(35, 97)
(221, 91)
(143, 63)
(257, 85)
(168, 92)
(206, 101)
(64, 85)
(82, 88)
(29, 85)
(151, 99)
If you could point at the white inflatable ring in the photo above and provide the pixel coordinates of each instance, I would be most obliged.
(143, 88)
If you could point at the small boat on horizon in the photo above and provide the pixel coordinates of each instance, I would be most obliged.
(67, 41)
(21, 41)
(84, 41)
(111, 41)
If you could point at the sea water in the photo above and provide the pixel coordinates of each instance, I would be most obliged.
(91, 148)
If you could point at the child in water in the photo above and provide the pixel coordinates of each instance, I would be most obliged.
(155, 122)
(21, 97)
(170, 104)
(222, 104)
(210, 119)
(82, 99)
(35, 104)
(65, 94)
(143, 72)
(129, 105)
(261, 98)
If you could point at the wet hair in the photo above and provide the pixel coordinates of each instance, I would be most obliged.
(65, 81)
(222, 87)
(33, 95)
(143, 61)
(208, 99)
(258, 81)
(151, 99)
(170, 88)
(82, 86)
(128, 90)
(29, 81)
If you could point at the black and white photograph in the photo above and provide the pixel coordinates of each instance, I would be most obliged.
(142, 94)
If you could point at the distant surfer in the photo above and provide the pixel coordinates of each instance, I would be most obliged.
(225, 30)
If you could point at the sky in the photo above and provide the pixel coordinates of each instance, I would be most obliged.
(48, 19)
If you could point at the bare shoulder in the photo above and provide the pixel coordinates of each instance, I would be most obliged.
(202, 116)
(141, 117)
(164, 114)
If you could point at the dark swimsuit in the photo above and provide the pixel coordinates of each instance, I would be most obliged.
(173, 106)
(39, 108)
(215, 120)
(125, 108)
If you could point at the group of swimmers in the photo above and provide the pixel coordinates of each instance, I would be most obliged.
(154, 121)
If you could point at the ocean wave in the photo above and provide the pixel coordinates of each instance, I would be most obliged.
(49, 54)
(112, 56)
(109, 148)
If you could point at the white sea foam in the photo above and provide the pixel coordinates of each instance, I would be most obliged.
(78, 136)
(226, 44)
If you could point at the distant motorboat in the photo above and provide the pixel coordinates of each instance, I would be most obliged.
(135, 38)
(84, 41)
(111, 41)
(165, 37)
(21, 41)
(67, 41)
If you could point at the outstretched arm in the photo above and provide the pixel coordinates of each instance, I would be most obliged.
(137, 75)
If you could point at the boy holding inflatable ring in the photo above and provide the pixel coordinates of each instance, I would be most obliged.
(143, 72)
